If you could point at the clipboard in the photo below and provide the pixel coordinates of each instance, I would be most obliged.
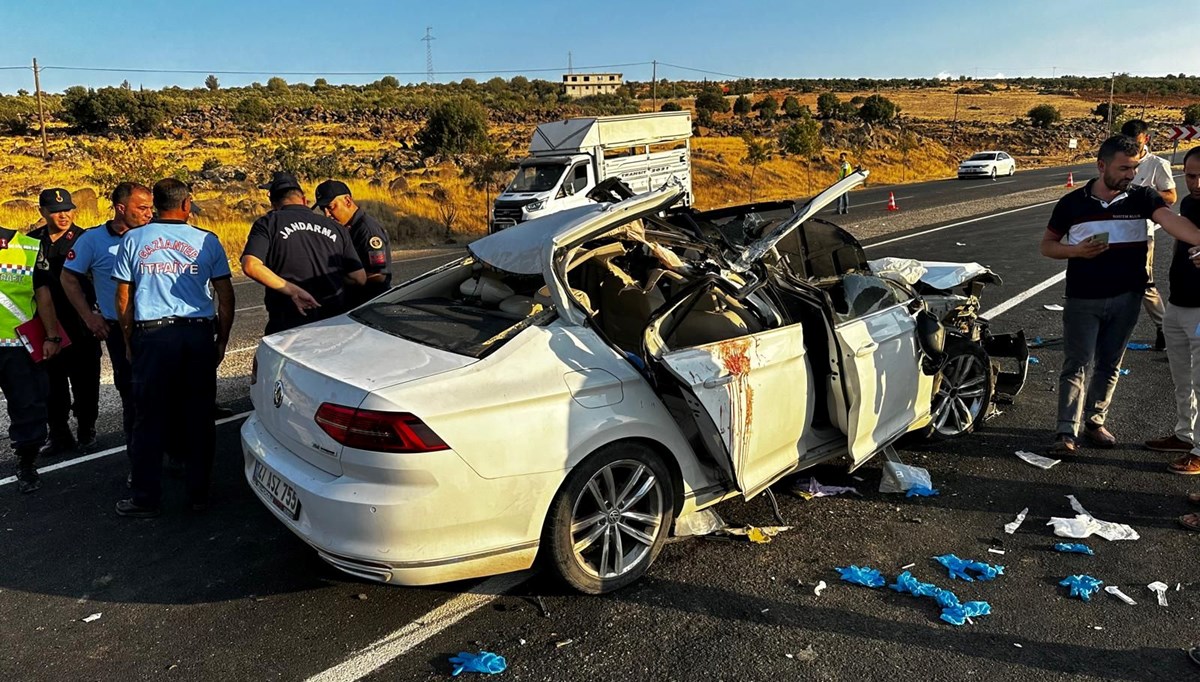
(33, 334)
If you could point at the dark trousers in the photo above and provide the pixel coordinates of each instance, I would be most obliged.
(25, 386)
(174, 388)
(283, 320)
(74, 386)
(122, 377)
(1095, 333)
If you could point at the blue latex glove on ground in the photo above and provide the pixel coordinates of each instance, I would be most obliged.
(921, 491)
(1082, 586)
(483, 662)
(953, 611)
(864, 575)
(1138, 346)
(1074, 547)
(959, 567)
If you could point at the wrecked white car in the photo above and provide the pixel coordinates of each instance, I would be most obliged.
(580, 381)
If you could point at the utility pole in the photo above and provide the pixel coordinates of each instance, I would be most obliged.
(1053, 72)
(428, 40)
(570, 63)
(1111, 83)
(37, 85)
(955, 123)
(654, 84)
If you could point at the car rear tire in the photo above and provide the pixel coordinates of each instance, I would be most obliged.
(610, 519)
(962, 390)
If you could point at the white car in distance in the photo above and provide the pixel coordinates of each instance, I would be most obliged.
(579, 381)
(987, 165)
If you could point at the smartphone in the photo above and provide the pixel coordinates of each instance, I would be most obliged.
(1100, 238)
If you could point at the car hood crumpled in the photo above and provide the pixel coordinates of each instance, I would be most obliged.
(934, 274)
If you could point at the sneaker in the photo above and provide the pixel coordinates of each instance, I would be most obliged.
(1099, 437)
(1171, 443)
(57, 446)
(128, 508)
(1188, 465)
(87, 439)
(1064, 445)
(28, 482)
(1160, 341)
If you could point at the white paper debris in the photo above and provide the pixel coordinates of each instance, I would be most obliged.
(1178, 586)
(1011, 528)
(1159, 588)
(1084, 525)
(1053, 307)
(993, 550)
(1037, 460)
(819, 588)
(1018, 645)
(959, 244)
(1116, 592)
(905, 568)
(91, 618)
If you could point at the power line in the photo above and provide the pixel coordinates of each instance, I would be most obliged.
(221, 72)
(714, 73)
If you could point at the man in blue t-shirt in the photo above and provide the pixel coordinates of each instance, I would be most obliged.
(91, 262)
(166, 274)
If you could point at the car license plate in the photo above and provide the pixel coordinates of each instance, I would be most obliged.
(281, 493)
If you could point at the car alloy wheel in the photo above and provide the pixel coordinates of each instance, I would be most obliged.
(611, 518)
(963, 390)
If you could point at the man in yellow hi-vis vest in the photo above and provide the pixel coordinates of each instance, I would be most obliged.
(844, 169)
(24, 292)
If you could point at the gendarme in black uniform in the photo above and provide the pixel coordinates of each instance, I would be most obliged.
(308, 250)
(371, 244)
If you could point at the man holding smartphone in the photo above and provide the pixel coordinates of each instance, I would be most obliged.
(1100, 230)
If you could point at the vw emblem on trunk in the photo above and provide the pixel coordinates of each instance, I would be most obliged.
(278, 395)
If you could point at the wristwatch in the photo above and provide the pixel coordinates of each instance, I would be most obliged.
(54, 339)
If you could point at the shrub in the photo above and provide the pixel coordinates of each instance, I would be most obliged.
(767, 107)
(802, 137)
(116, 110)
(294, 155)
(1044, 115)
(1191, 114)
(454, 126)
(741, 105)
(827, 105)
(1101, 110)
(792, 107)
(129, 160)
(253, 109)
(277, 85)
(711, 100)
(670, 106)
(878, 109)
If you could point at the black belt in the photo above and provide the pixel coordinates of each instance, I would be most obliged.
(168, 321)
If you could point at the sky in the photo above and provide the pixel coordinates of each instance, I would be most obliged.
(359, 41)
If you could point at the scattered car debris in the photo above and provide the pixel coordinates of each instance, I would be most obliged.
(1138, 346)
(1159, 588)
(864, 575)
(820, 588)
(898, 478)
(993, 550)
(361, 596)
(563, 642)
(811, 487)
(542, 607)
(483, 662)
(92, 618)
(1011, 528)
(962, 568)
(759, 535)
(905, 568)
(1034, 361)
(806, 655)
(953, 610)
(1037, 342)
(1073, 548)
(701, 522)
(1037, 460)
(1053, 307)
(1082, 586)
(1019, 646)
(1084, 525)
(1123, 372)
(959, 244)
(922, 491)
(1116, 592)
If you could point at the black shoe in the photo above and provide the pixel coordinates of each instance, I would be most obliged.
(221, 412)
(1160, 341)
(87, 439)
(128, 508)
(28, 482)
(57, 446)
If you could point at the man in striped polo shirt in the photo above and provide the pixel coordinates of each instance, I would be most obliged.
(1100, 230)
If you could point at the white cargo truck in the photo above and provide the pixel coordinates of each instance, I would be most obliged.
(568, 158)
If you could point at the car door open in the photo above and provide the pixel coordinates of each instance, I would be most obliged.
(738, 391)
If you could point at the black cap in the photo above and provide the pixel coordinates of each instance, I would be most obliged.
(56, 199)
(280, 182)
(328, 191)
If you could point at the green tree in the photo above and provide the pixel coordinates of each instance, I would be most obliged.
(252, 110)
(1044, 116)
(670, 106)
(827, 105)
(767, 107)
(1101, 111)
(792, 107)
(1191, 114)
(454, 126)
(277, 85)
(878, 109)
(212, 83)
(320, 83)
(741, 105)
(758, 152)
(802, 137)
(389, 82)
(113, 110)
(711, 101)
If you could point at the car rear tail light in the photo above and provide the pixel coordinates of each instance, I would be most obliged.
(377, 431)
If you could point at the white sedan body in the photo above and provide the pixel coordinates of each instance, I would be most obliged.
(989, 164)
(507, 371)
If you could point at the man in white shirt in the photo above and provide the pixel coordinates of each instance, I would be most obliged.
(1153, 171)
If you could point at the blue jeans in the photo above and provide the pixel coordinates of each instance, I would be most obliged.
(844, 203)
(1095, 333)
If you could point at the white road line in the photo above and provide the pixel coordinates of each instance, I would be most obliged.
(1020, 298)
(105, 453)
(253, 307)
(964, 222)
(868, 203)
(384, 651)
(994, 183)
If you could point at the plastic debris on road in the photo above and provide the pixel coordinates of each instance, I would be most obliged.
(1034, 361)
(91, 618)
(1073, 548)
(963, 568)
(993, 550)
(810, 488)
(898, 478)
(1082, 586)
(1123, 372)
(922, 491)
(483, 662)
(1053, 307)
(820, 588)
(758, 535)
(1138, 346)
(1037, 460)
(862, 575)
(1116, 592)
(953, 610)
(1084, 525)
(1011, 528)
(702, 522)
(1159, 588)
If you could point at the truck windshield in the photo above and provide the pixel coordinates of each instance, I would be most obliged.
(541, 177)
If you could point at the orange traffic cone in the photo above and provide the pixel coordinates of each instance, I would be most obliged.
(892, 202)
(1070, 179)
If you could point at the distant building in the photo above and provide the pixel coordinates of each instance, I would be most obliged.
(583, 84)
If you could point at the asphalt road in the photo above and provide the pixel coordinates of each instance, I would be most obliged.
(231, 594)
